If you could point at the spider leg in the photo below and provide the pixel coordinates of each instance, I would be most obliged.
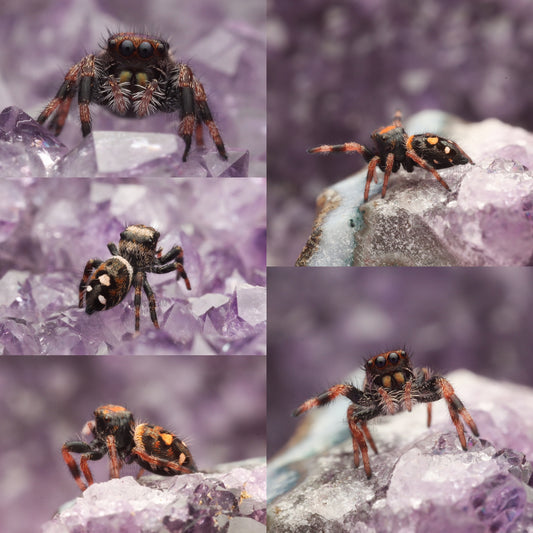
(145, 104)
(138, 283)
(195, 111)
(206, 117)
(84, 93)
(89, 453)
(89, 267)
(368, 437)
(175, 255)
(370, 174)
(456, 408)
(62, 100)
(115, 464)
(388, 170)
(358, 441)
(160, 463)
(397, 119)
(328, 396)
(346, 147)
(112, 247)
(151, 302)
(424, 164)
(426, 374)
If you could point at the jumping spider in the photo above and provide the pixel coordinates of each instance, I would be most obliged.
(135, 76)
(391, 385)
(115, 433)
(136, 255)
(394, 148)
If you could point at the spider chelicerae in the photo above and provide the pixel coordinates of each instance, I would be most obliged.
(135, 76)
(395, 148)
(115, 433)
(391, 385)
(136, 255)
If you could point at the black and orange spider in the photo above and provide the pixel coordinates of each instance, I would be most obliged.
(115, 433)
(395, 148)
(391, 385)
(135, 76)
(106, 283)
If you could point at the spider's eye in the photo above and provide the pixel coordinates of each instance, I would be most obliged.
(146, 50)
(380, 361)
(393, 358)
(126, 48)
(161, 48)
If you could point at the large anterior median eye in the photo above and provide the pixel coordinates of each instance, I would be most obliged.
(145, 50)
(380, 361)
(126, 48)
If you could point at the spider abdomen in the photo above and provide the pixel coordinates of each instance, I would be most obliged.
(108, 285)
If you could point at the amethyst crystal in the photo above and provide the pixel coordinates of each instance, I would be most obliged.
(223, 43)
(52, 227)
(486, 219)
(202, 502)
(422, 480)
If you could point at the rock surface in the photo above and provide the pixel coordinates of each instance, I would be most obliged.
(486, 219)
(52, 227)
(422, 479)
(231, 500)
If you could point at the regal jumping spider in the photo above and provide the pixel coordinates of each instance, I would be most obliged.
(391, 385)
(136, 255)
(394, 148)
(135, 76)
(115, 433)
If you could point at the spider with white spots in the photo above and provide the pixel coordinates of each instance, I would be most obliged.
(106, 283)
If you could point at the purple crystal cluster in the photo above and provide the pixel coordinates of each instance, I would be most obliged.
(51, 227)
(223, 43)
(342, 70)
(215, 404)
(211, 502)
(422, 479)
(485, 220)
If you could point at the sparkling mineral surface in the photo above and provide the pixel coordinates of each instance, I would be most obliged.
(51, 227)
(486, 219)
(232, 500)
(422, 479)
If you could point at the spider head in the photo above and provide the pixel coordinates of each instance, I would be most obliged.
(389, 370)
(117, 422)
(135, 48)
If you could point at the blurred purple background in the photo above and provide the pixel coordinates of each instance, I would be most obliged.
(323, 323)
(223, 42)
(50, 228)
(338, 70)
(217, 405)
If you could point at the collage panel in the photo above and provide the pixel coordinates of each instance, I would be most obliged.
(400, 133)
(64, 288)
(213, 407)
(354, 346)
(103, 68)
